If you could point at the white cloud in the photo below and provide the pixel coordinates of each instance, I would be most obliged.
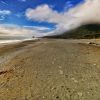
(5, 12)
(46, 14)
(85, 13)
(25, 31)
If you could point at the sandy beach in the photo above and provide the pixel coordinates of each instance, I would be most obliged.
(50, 69)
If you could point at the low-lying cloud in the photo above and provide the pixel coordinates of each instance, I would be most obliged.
(22, 31)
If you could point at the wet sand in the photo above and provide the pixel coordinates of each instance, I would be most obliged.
(50, 69)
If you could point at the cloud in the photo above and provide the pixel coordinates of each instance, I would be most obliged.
(2, 18)
(5, 12)
(85, 13)
(44, 13)
(22, 31)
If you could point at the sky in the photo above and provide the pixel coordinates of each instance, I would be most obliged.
(31, 16)
(13, 11)
(42, 17)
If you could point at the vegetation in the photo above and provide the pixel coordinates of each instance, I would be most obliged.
(83, 32)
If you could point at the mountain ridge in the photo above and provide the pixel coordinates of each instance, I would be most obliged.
(89, 31)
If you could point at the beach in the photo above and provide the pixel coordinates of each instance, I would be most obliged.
(50, 69)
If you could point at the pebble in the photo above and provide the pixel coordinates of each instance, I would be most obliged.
(66, 76)
(43, 97)
(57, 97)
(73, 79)
(94, 64)
(60, 67)
(60, 72)
(79, 94)
(53, 62)
(53, 88)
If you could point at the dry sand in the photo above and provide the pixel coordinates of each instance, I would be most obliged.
(50, 69)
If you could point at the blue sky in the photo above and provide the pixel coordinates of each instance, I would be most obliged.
(18, 12)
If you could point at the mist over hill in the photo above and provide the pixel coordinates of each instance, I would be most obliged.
(84, 32)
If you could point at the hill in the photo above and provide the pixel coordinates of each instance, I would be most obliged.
(83, 32)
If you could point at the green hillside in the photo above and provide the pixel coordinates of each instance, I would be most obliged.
(83, 32)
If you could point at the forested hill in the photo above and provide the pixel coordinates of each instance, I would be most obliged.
(83, 32)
